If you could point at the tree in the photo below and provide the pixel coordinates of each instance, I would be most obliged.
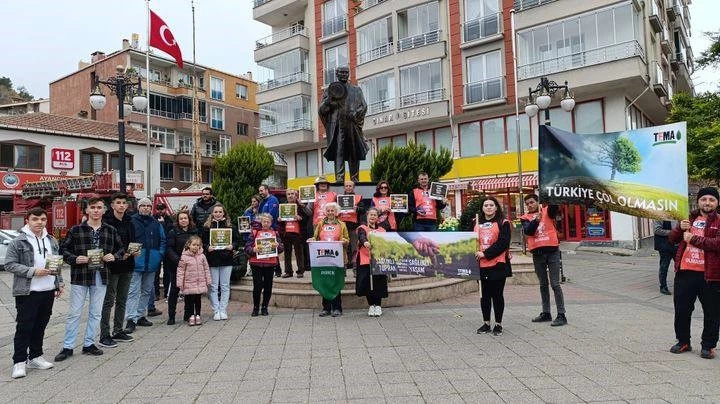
(238, 174)
(468, 213)
(400, 166)
(710, 57)
(702, 114)
(621, 156)
(8, 94)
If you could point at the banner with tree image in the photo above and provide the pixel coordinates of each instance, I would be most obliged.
(639, 172)
(440, 254)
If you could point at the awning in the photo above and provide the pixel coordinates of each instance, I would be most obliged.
(496, 183)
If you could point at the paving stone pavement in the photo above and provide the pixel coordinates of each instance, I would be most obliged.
(615, 348)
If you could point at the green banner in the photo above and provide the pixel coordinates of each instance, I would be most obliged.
(328, 281)
(327, 265)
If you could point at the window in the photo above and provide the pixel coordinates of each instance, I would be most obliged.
(481, 19)
(286, 68)
(306, 164)
(212, 147)
(418, 26)
(186, 174)
(484, 73)
(92, 162)
(217, 88)
(217, 118)
(115, 161)
(335, 57)
(334, 16)
(175, 108)
(421, 83)
(470, 139)
(375, 40)
(394, 141)
(493, 136)
(208, 175)
(285, 115)
(525, 142)
(21, 156)
(560, 119)
(241, 91)
(434, 139)
(596, 37)
(225, 144)
(164, 135)
(167, 171)
(379, 92)
(185, 145)
(589, 117)
(242, 129)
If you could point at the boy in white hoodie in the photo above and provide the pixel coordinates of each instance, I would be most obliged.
(35, 289)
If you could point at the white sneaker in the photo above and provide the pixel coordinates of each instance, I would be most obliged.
(371, 311)
(223, 315)
(19, 370)
(39, 363)
(378, 311)
(217, 317)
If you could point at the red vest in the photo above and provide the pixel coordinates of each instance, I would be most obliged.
(488, 233)
(546, 234)
(693, 258)
(364, 251)
(292, 227)
(262, 233)
(424, 205)
(330, 232)
(351, 217)
(382, 202)
(320, 201)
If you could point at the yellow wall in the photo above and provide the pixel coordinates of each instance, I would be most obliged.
(230, 81)
(468, 167)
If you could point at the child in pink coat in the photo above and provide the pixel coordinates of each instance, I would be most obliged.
(193, 278)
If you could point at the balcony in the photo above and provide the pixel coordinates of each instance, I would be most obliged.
(282, 41)
(481, 28)
(418, 40)
(377, 53)
(655, 17)
(481, 92)
(658, 82)
(278, 12)
(522, 5)
(164, 114)
(665, 44)
(605, 54)
(334, 27)
(287, 135)
(673, 9)
(381, 106)
(284, 81)
(185, 150)
(284, 87)
(422, 97)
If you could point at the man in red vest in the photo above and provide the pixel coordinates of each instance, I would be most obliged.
(351, 222)
(542, 239)
(422, 207)
(293, 236)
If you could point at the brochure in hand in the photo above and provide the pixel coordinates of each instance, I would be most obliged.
(244, 224)
(134, 248)
(288, 212)
(95, 258)
(53, 263)
(399, 203)
(220, 238)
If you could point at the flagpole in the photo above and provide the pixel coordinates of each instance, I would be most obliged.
(197, 157)
(148, 188)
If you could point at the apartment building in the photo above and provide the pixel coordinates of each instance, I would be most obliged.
(441, 73)
(227, 110)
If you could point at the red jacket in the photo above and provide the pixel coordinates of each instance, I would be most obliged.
(709, 242)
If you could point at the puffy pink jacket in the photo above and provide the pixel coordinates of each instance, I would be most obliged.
(193, 273)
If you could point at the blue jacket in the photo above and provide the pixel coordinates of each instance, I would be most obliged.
(271, 205)
(150, 233)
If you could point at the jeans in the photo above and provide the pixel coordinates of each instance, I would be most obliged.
(425, 226)
(115, 295)
(77, 301)
(220, 278)
(665, 258)
(141, 289)
(548, 265)
(33, 315)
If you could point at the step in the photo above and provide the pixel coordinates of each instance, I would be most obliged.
(306, 282)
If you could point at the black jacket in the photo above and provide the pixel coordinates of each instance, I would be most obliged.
(126, 231)
(176, 240)
(201, 210)
(662, 231)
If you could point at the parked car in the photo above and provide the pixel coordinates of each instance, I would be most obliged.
(5, 237)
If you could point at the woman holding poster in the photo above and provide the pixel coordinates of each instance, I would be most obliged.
(493, 233)
(330, 228)
(381, 201)
(373, 287)
(262, 247)
(220, 239)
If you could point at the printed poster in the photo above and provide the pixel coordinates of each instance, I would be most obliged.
(288, 212)
(244, 224)
(346, 203)
(438, 191)
(133, 248)
(307, 193)
(399, 203)
(220, 238)
(639, 172)
(266, 247)
(53, 263)
(95, 258)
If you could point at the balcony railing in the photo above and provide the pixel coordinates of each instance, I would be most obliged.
(163, 114)
(423, 97)
(184, 150)
(334, 26)
(370, 3)
(295, 29)
(284, 81)
(521, 5)
(189, 117)
(377, 53)
(258, 3)
(418, 40)
(381, 106)
(283, 127)
(484, 91)
(482, 27)
(160, 81)
(580, 59)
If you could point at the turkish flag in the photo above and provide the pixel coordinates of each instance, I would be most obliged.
(162, 38)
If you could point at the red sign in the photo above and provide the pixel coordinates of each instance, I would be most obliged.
(59, 214)
(63, 159)
(13, 180)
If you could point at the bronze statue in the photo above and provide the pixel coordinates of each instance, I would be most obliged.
(342, 112)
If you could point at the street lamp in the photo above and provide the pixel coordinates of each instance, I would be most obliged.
(123, 85)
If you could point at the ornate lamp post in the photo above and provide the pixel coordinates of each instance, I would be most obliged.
(546, 90)
(127, 87)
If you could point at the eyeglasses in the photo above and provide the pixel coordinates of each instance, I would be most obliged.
(383, 187)
(146, 206)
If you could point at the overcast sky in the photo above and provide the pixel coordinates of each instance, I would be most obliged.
(43, 41)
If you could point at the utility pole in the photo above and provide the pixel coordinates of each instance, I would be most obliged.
(197, 156)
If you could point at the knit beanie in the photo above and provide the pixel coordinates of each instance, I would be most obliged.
(708, 191)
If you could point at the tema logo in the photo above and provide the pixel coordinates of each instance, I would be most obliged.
(667, 137)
